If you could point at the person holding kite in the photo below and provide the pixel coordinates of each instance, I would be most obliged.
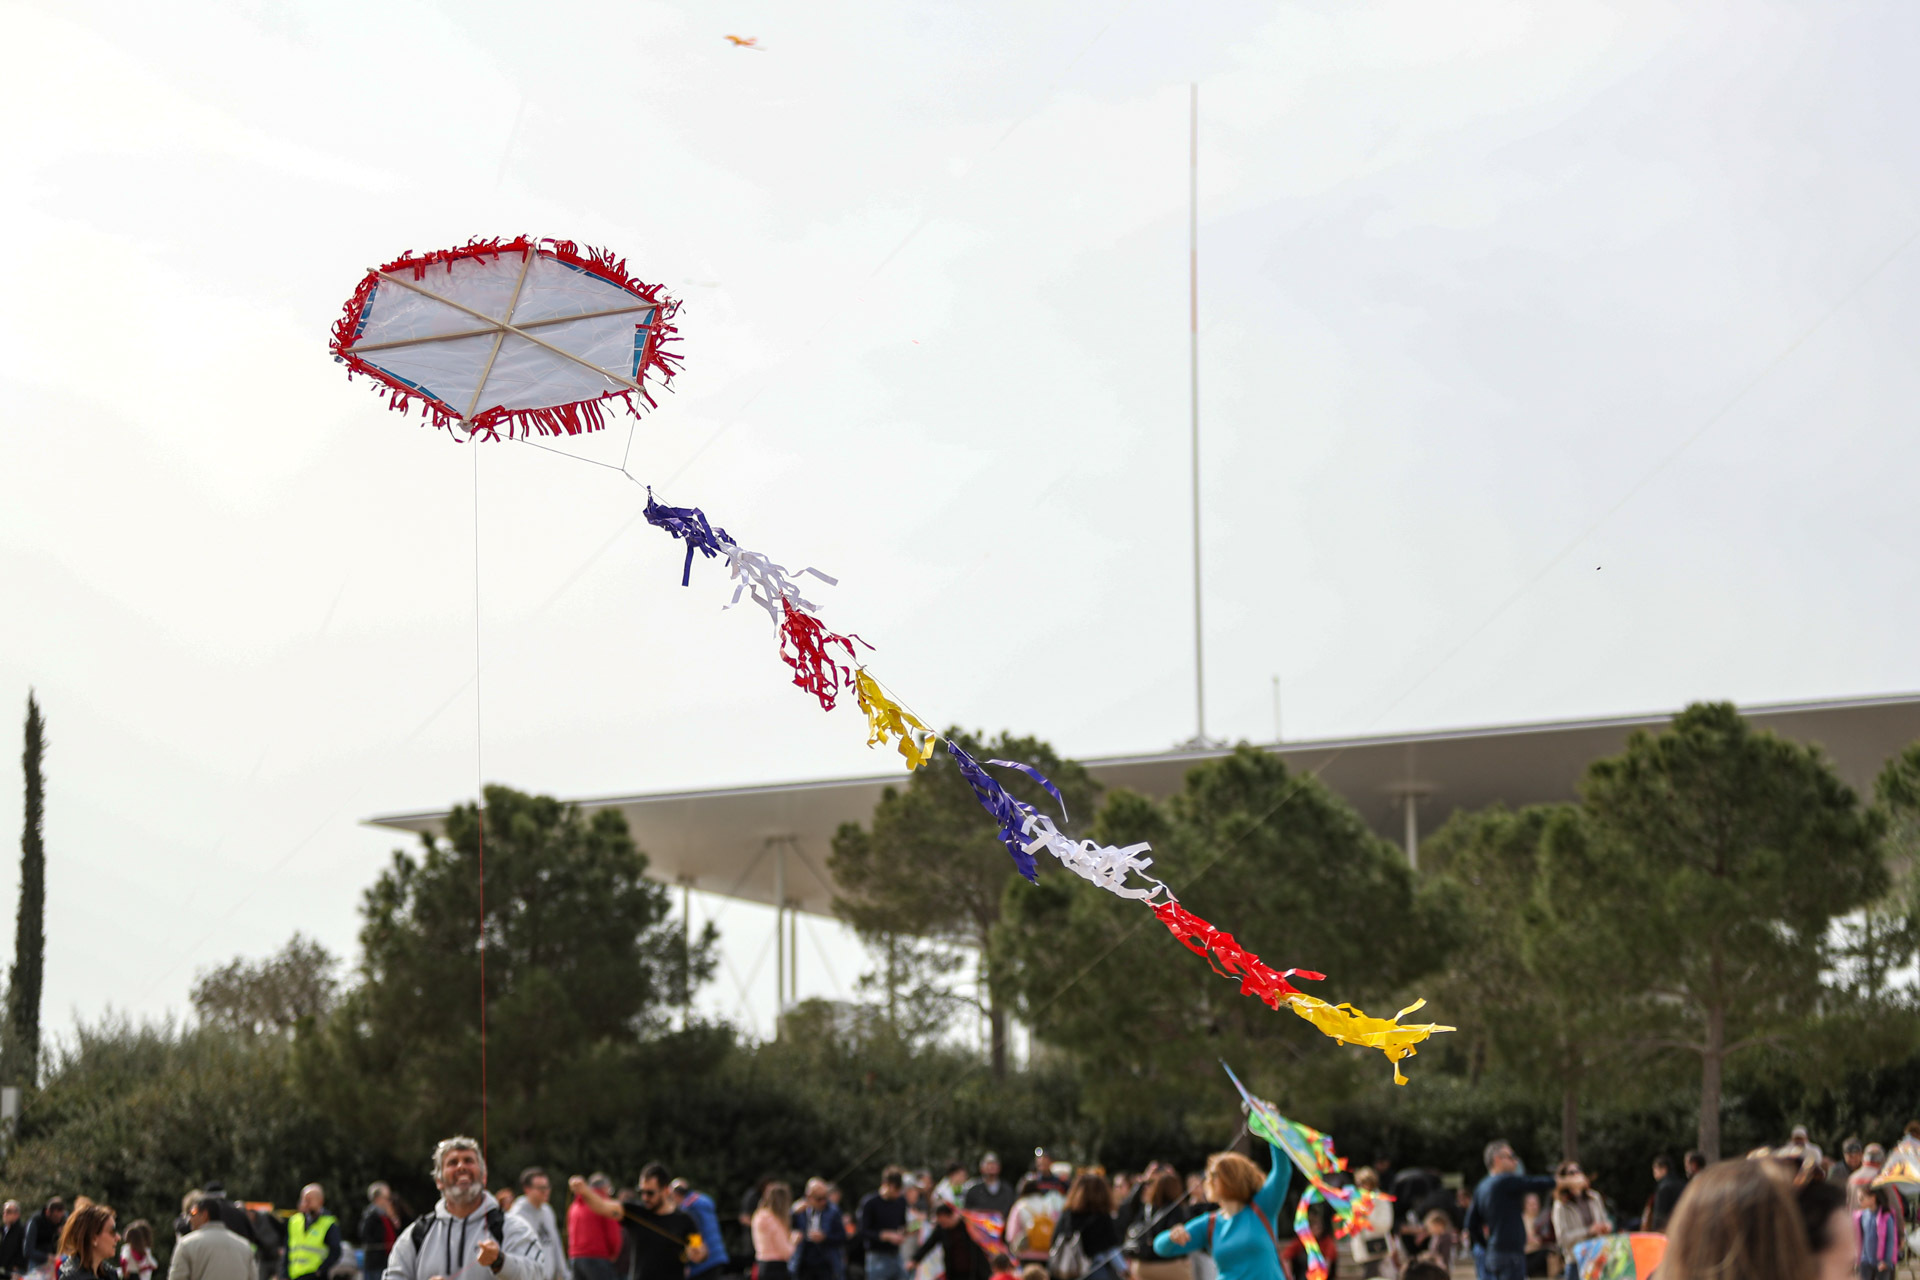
(1240, 1232)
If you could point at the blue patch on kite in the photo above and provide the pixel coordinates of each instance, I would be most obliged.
(641, 332)
(411, 385)
(366, 313)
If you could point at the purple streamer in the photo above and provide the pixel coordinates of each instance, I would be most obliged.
(689, 523)
(1038, 777)
(1010, 813)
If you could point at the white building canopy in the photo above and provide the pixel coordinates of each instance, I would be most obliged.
(736, 841)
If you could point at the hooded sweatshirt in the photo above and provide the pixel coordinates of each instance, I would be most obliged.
(448, 1247)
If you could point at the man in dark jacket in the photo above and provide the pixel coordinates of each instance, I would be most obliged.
(822, 1253)
(379, 1228)
(1666, 1194)
(13, 1241)
(1496, 1222)
(42, 1241)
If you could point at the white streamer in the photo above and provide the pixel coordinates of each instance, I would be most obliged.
(1104, 865)
(768, 584)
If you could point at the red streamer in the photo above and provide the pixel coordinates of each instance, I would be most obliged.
(1228, 958)
(814, 669)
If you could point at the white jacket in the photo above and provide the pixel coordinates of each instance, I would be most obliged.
(449, 1244)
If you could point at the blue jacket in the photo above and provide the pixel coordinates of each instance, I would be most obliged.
(707, 1220)
(1242, 1247)
(831, 1252)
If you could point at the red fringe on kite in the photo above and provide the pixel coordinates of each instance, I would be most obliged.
(813, 668)
(566, 419)
(1228, 958)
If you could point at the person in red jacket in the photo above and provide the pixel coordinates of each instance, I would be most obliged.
(593, 1239)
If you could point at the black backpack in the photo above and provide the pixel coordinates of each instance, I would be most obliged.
(496, 1227)
(255, 1225)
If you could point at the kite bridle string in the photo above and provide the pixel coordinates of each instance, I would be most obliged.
(480, 792)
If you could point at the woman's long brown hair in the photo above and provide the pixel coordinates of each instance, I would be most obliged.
(1737, 1221)
(79, 1233)
(1090, 1194)
(1164, 1190)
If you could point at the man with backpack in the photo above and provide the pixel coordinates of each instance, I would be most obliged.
(466, 1227)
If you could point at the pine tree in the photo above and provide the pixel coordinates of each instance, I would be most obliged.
(30, 939)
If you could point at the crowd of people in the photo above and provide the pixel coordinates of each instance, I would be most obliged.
(1844, 1220)
(1229, 1221)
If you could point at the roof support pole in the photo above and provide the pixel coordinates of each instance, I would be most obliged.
(1193, 363)
(686, 951)
(1412, 802)
(779, 937)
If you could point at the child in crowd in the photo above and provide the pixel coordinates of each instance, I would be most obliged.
(1438, 1240)
(1879, 1228)
(136, 1252)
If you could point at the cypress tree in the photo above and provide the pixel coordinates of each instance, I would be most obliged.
(29, 939)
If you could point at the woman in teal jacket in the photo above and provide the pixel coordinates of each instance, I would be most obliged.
(1240, 1233)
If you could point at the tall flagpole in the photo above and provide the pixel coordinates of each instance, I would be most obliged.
(1193, 357)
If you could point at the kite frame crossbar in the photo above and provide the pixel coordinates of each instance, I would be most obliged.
(364, 347)
(526, 265)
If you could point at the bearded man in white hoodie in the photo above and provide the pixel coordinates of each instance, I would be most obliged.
(467, 1236)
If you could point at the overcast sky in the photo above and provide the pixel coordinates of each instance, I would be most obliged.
(1556, 360)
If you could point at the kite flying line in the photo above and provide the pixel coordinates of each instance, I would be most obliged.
(480, 792)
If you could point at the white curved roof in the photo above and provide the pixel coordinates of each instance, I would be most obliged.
(723, 840)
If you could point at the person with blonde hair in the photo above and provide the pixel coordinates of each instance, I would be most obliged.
(89, 1242)
(1240, 1233)
(1737, 1219)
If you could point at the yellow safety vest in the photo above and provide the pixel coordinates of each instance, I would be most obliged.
(306, 1245)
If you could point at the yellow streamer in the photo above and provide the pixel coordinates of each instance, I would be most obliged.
(886, 719)
(1350, 1026)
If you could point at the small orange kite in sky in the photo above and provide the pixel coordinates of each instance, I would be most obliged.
(746, 42)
